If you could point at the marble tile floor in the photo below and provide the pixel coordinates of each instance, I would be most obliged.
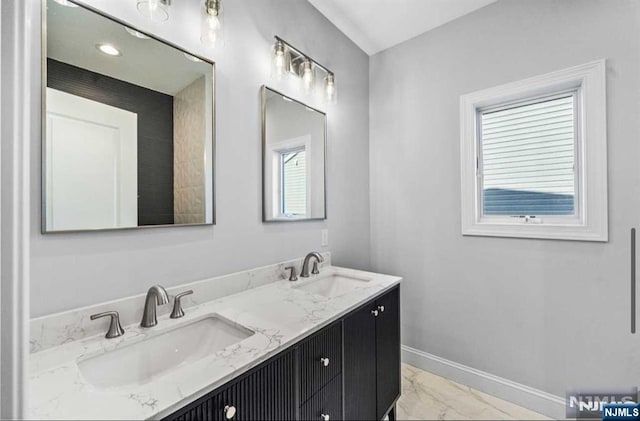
(426, 396)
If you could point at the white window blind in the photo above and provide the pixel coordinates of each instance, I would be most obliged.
(527, 158)
(294, 182)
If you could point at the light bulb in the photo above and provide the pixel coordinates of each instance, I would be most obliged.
(279, 60)
(211, 24)
(154, 9)
(330, 89)
(308, 76)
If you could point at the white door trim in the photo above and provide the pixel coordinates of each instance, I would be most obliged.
(20, 56)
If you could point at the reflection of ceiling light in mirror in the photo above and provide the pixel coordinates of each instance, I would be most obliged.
(66, 3)
(135, 33)
(108, 49)
(192, 58)
(154, 9)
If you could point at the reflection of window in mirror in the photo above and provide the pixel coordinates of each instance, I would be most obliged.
(294, 183)
(294, 159)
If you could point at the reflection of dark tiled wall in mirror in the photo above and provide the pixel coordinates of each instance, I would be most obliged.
(155, 132)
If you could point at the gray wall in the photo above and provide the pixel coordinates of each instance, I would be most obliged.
(548, 314)
(71, 270)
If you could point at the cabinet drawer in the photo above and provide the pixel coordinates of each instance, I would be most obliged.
(328, 401)
(320, 360)
(266, 393)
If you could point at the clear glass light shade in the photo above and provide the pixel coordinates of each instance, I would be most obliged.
(308, 76)
(211, 27)
(281, 61)
(330, 89)
(153, 9)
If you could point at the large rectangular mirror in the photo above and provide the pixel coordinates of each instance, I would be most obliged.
(128, 126)
(293, 154)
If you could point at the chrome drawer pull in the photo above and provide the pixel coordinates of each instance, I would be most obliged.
(375, 312)
(325, 417)
(381, 308)
(229, 412)
(324, 361)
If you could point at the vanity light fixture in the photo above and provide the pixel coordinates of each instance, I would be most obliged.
(108, 49)
(135, 33)
(288, 60)
(211, 28)
(157, 10)
(66, 3)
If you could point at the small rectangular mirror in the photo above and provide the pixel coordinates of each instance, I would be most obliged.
(293, 155)
(128, 126)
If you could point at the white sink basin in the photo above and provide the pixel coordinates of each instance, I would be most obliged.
(334, 285)
(140, 362)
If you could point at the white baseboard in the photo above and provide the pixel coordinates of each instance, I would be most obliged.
(536, 400)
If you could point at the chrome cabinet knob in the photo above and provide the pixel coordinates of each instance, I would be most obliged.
(381, 308)
(324, 361)
(325, 417)
(229, 411)
(375, 312)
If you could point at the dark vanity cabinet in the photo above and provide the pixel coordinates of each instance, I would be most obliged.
(372, 358)
(268, 392)
(348, 370)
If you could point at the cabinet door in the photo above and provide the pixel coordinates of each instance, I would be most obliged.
(360, 364)
(265, 393)
(388, 351)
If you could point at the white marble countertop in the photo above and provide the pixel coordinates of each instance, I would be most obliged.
(279, 313)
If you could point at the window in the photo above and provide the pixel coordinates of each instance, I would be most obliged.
(534, 157)
(294, 182)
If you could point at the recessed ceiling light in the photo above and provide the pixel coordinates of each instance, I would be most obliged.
(192, 58)
(135, 33)
(66, 3)
(108, 49)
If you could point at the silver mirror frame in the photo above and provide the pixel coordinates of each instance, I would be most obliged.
(43, 131)
(263, 95)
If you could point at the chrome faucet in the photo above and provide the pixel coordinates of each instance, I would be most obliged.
(305, 264)
(156, 295)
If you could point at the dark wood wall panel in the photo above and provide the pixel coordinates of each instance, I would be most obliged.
(155, 132)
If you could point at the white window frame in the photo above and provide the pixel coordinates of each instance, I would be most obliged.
(588, 81)
(273, 170)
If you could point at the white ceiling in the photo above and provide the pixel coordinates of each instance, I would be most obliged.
(72, 35)
(375, 25)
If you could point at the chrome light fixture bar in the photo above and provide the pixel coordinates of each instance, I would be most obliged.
(288, 59)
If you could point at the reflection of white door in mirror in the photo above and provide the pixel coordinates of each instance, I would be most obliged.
(91, 164)
(289, 178)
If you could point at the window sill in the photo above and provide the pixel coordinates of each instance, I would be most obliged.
(549, 231)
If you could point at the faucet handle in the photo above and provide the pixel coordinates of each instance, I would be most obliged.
(315, 270)
(177, 311)
(293, 276)
(115, 328)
